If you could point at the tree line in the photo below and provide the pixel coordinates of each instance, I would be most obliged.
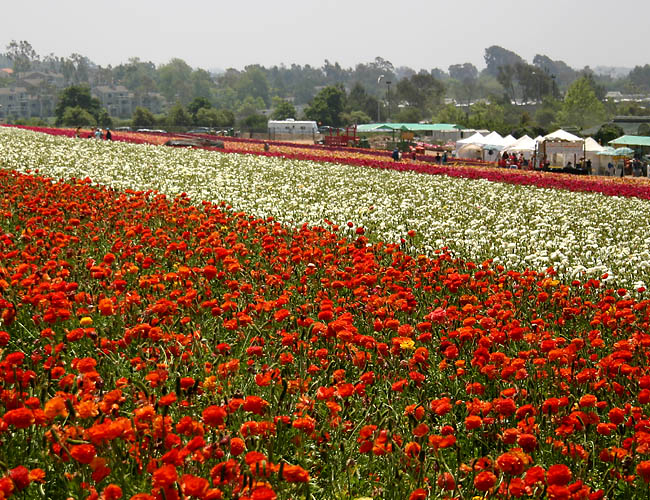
(509, 95)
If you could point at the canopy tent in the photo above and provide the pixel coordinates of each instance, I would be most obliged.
(410, 127)
(562, 135)
(592, 152)
(475, 138)
(561, 148)
(631, 140)
(524, 145)
(470, 152)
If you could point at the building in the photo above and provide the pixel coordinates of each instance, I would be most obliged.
(121, 102)
(19, 102)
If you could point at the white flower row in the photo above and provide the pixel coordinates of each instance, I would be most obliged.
(581, 235)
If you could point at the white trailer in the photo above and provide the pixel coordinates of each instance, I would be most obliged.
(292, 127)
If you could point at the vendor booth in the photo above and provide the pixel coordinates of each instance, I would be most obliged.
(560, 149)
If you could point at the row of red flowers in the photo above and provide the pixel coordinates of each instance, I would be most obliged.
(156, 349)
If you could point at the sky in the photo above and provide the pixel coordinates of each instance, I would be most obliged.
(415, 33)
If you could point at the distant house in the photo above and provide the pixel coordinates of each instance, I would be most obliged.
(121, 102)
(19, 102)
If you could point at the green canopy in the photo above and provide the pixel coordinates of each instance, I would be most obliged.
(631, 140)
(410, 127)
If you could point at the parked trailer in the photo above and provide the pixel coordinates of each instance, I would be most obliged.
(292, 127)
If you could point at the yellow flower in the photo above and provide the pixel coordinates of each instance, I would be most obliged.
(86, 321)
(407, 344)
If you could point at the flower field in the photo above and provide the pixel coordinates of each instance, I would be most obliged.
(200, 325)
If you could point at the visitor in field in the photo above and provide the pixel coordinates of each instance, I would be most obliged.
(610, 169)
(98, 133)
(109, 136)
(395, 154)
(77, 132)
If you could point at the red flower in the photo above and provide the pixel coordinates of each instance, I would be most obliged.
(484, 480)
(165, 476)
(643, 470)
(419, 494)
(20, 418)
(214, 415)
(559, 474)
(112, 492)
(295, 474)
(237, 446)
(20, 477)
(194, 486)
(83, 453)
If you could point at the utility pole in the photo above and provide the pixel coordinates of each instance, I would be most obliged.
(388, 82)
(381, 77)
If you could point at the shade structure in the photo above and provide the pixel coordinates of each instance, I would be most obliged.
(562, 135)
(631, 140)
(623, 152)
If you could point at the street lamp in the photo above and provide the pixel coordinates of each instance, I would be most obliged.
(388, 82)
(381, 77)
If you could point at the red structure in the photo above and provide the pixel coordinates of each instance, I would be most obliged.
(342, 138)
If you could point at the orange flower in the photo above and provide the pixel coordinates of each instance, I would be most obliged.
(295, 474)
(105, 307)
(55, 407)
(83, 453)
(484, 480)
(559, 474)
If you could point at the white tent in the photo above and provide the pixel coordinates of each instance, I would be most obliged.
(469, 152)
(598, 162)
(562, 135)
(476, 138)
(524, 145)
(561, 148)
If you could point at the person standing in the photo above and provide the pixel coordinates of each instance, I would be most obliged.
(395, 154)
(109, 136)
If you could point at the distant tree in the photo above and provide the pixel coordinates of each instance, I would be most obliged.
(253, 83)
(644, 129)
(76, 116)
(250, 106)
(581, 107)
(197, 104)
(608, 132)
(450, 114)
(22, 55)
(355, 118)
(506, 77)
(143, 118)
(487, 116)
(462, 72)
(178, 117)
(282, 109)
(421, 91)
(409, 115)
(546, 114)
(77, 96)
(360, 100)
(104, 119)
(327, 105)
(640, 77)
(496, 57)
(255, 123)
(176, 81)
(207, 117)
(563, 73)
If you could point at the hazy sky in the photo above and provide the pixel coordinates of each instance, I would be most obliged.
(415, 33)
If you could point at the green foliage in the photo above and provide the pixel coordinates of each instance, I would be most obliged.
(282, 109)
(496, 56)
(644, 129)
(21, 55)
(581, 107)
(197, 104)
(408, 115)
(104, 120)
(176, 81)
(142, 117)
(421, 91)
(355, 118)
(360, 100)
(639, 77)
(487, 116)
(327, 106)
(177, 116)
(608, 132)
(210, 117)
(451, 114)
(76, 116)
(255, 123)
(250, 106)
(77, 96)
(253, 83)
